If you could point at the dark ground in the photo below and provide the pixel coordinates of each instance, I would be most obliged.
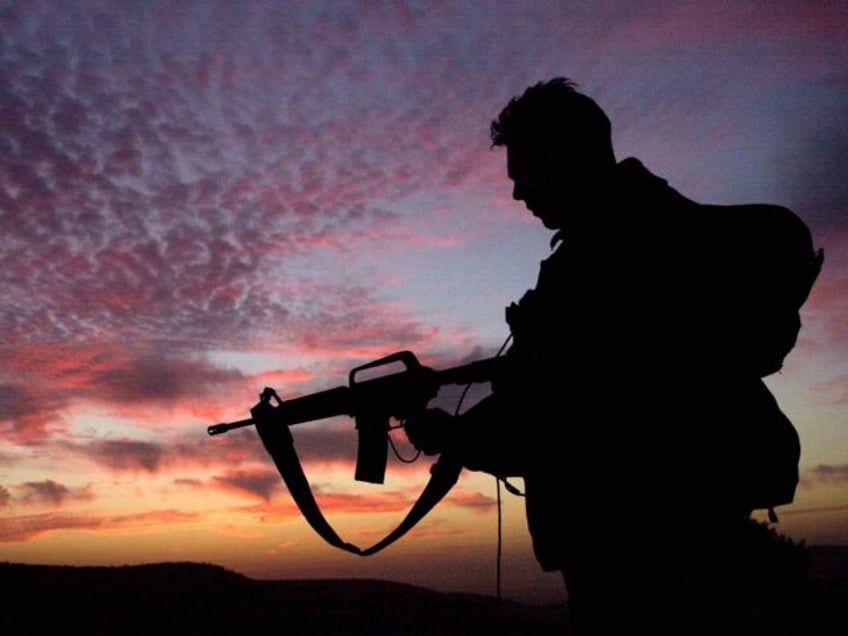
(190, 598)
(194, 598)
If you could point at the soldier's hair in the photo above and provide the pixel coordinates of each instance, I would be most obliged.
(554, 112)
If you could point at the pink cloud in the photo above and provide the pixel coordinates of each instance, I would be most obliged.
(161, 253)
(29, 414)
(48, 379)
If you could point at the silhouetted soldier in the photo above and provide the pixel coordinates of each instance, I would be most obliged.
(630, 379)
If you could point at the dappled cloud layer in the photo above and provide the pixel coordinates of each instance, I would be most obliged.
(201, 199)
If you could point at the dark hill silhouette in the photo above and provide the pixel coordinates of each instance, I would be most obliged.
(208, 599)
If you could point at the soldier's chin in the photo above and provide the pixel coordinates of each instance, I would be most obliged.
(550, 221)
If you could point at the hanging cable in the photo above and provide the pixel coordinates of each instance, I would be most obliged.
(500, 542)
(509, 487)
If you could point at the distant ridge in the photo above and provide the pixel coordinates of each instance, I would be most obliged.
(208, 599)
(198, 598)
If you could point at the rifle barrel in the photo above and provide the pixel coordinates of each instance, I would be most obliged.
(306, 408)
(217, 429)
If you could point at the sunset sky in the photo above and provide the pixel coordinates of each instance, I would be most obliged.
(201, 199)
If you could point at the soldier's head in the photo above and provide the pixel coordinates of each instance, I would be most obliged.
(559, 149)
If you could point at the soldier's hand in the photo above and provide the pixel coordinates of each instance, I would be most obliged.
(430, 431)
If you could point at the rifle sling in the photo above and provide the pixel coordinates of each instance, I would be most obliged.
(443, 475)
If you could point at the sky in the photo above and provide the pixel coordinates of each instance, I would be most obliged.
(202, 199)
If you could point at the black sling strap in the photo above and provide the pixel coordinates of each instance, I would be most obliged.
(287, 462)
(443, 475)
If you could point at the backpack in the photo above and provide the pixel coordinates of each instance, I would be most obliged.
(776, 268)
(770, 265)
(767, 451)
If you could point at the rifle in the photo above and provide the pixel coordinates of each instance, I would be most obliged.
(372, 403)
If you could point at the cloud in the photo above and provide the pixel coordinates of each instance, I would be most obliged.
(153, 195)
(50, 492)
(259, 482)
(828, 473)
(28, 413)
(827, 307)
(43, 383)
(126, 455)
(44, 493)
(834, 390)
(182, 194)
(29, 527)
(153, 376)
(375, 503)
(815, 153)
(180, 184)
(471, 499)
